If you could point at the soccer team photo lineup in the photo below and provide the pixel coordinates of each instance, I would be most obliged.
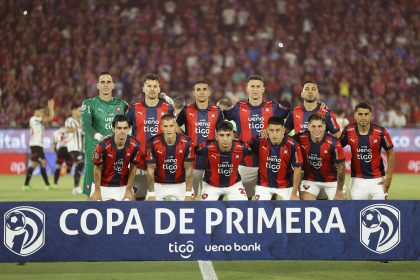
(211, 139)
(160, 148)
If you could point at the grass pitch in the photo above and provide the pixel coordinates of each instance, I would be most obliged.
(403, 187)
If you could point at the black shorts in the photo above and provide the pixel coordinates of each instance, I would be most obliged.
(77, 156)
(63, 156)
(37, 153)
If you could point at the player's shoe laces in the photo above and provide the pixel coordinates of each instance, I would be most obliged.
(26, 188)
(77, 190)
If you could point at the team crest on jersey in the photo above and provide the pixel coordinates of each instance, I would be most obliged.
(325, 152)
(285, 152)
(181, 151)
(267, 110)
(96, 155)
(375, 141)
(213, 116)
(162, 113)
(236, 156)
(118, 109)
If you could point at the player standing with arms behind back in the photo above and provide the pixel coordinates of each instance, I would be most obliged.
(145, 116)
(200, 119)
(251, 117)
(366, 140)
(98, 113)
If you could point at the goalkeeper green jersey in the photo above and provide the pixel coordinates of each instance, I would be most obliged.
(97, 116)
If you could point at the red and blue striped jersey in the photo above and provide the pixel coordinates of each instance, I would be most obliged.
(145, 123)
(366, 160)
(114, 162)
(319, 159)
(275, 161)
(251, 120)
(298, 119)
(169, 160)
(222, 167)
(200, 126)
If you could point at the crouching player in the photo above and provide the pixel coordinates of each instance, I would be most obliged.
(169, 162)
(115, 158)
(277, 154)
(323, 161)
(223, 158)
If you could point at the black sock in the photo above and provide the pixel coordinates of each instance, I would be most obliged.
(57, 175)
(28, 175)
(78, 173)
(45, 176)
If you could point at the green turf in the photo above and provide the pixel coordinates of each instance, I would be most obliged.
(403, 187)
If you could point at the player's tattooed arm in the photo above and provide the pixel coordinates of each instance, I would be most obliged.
(341, 173)
(188, 179)
(150, 178)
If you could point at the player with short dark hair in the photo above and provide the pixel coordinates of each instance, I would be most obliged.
(115, 158)
(199, 120)
(36, 143)
(97, 115)
(366, 140)
(280, 161)
(323, 161)
(251, 119)
(169, 163)
(298, 117)
(145, 116)
(223, 156)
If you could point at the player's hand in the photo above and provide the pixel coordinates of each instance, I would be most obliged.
(294, 196)
(340, 195)
(96, 196)
(50, 104)
(189, 198)
(128, 195)
(264, 133)
(322, 105)
(386, 183)
(151, 198)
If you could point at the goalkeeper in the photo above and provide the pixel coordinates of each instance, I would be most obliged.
(97, 115)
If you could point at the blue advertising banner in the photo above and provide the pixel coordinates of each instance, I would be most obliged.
(255, 230)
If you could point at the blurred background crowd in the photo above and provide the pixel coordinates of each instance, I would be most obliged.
(356, 50)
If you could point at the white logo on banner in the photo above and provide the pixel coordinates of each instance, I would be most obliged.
(24, 230)
(380, 227)
(185, 250)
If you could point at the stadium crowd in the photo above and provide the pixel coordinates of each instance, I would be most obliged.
(357, 50)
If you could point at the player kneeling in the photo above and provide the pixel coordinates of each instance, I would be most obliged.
(223, 158)
(169, 162)
(323, 161)
(115, 158)
(276, 155)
